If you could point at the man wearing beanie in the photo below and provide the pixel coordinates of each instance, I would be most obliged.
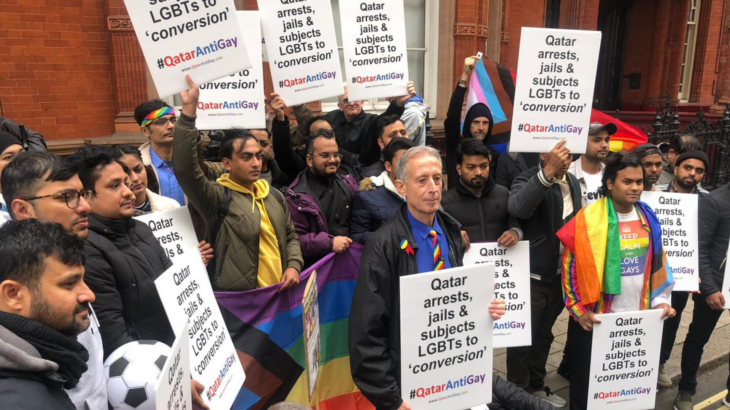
(9, 148)
(689, 169)
(651, 159)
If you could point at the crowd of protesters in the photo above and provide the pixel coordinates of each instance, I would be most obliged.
(77, 274)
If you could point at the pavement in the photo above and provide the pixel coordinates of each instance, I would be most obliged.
(716, 350)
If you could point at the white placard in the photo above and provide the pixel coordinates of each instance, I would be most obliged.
(446, 338)
(512, 283)
(312, 341)
(197, 37)
(174, 230)
(726, 282)
(554, 90)
(187, 297)
(302, 49)
(374, 43)
(678, 216)
(625, 360)
(237, 100)
(172, 390)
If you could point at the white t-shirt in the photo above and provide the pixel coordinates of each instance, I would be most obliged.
(634, 247)
(4, 216)
(593, 187)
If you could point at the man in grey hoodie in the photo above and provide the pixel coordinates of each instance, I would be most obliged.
(44, 305)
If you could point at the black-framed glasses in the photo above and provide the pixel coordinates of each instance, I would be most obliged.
(72, 198)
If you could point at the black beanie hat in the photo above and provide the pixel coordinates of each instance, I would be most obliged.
(698, 155)
(7, 139)
(477, 110)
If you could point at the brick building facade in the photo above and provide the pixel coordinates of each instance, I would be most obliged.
(73, 69)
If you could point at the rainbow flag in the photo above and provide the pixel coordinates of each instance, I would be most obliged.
(266, 328)
(592, 259)
(494, 85)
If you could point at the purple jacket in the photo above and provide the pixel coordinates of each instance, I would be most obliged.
(314, 238)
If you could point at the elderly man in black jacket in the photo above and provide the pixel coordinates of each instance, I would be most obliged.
(374, 326)
(543, 199)
(123, 256)
(714, 235)
(355, 129)
(478, 203)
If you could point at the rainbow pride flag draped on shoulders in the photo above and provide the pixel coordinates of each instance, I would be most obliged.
(267, 330)
(592, 258)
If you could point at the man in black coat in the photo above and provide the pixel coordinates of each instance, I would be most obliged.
(543, 199)
(478, 124)
(44, 306)
(714, 235)
(355, 129)
(123, 256)
(374, 325)
(477, 202)
(378, 200)
(389, 128)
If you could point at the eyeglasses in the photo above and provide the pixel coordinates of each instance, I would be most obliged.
(326, 155)
(72, 198)
(161, 122)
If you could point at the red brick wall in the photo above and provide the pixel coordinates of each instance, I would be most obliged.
(708, 75)
(640, 25)
(54, 71)
(522, 13)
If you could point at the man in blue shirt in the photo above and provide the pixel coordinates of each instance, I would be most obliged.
(157, 122)
(420, 238)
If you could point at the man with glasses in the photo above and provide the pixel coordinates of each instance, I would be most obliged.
(320, 200)
(157, 122)
(40, 185)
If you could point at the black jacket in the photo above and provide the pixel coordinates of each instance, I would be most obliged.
(359, 136)
(371, 209)
(511, 165)
(507, 396)
(375, 169)
(374, 326)
(278, 178)
(123, 259)
(714, 234)
(34, 140)
(539, 210)
(453, 134)
(483, 218)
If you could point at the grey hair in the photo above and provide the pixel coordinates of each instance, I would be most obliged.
(288, 405)
(413, 153)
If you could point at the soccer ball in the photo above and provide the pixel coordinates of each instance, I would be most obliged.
(131, 374)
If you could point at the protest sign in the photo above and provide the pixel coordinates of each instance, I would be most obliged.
(310, 316)
(374, 42)
(554, 90)
(172, 390)
(174, 230)
(237, 100)
(625, 360)
(197, 37)
(302, 49)
(726, 282)
(512, 283)
(446, 338)
(678, 216)
(187, 297)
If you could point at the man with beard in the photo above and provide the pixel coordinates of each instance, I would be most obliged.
(478, 203)
(42, 186)
(320, 200)
(689, 169)
(44, 306)
(677, 146)
(651, 159)
(588, 169)
(389, 128)
(477, 124)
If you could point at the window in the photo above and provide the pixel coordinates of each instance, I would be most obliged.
(422, 46)
(685, 81)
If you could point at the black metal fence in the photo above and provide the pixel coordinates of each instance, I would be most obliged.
(715, 138)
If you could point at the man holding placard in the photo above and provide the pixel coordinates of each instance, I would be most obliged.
(714, 234)
(689, 169)
(255, 242)
(613, 262)
(419, 239)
